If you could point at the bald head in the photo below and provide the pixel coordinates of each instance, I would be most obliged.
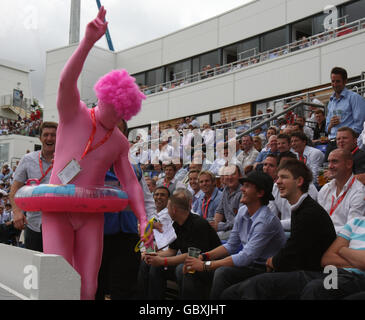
(343, 154)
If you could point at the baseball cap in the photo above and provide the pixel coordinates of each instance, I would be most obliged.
(261, 180)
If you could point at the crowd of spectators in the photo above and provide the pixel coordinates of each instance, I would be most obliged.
(24, 127)
(287, 198)
(208, 71)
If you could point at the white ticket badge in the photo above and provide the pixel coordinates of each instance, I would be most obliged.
(69, 172)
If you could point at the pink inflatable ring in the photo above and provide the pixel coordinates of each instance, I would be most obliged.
(70, 198)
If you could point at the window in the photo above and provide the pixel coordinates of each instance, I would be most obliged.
(179, 70)
(154, 77)
(196, 67)
(4, 152)
(318, 26)
(248, 48)
(302, 29)
(216, 117)
(274, 39)
(140, 78)
(354, 11)
(210, 58)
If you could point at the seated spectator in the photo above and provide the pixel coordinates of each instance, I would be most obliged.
(320, 134)
(346, 138)
(257, 143)
(346, 253)
(280, 206)
(151, 184)
(181, 172)
(312, 157)
(307, 131)
(249, 154)
(283, 143)
(228, 207)
(193, 186)
(169, 180)
(207, 203)
(259, 132)
(343, 197)
(272, 149)
(6, 173)
(191, 231)
(301, 251)
(293, 182)
(256, 235)
(161, 197)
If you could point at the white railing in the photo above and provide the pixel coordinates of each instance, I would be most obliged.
(261, 57)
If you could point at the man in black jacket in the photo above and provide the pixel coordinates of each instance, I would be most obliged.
(312, 232)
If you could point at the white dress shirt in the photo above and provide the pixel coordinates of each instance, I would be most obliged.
(314, 160)
(352, 205)
(248, 158)
(282, 205)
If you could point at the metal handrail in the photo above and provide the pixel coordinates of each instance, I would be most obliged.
(276, 116)
(263, 56)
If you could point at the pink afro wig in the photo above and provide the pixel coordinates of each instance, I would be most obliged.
(119, 89)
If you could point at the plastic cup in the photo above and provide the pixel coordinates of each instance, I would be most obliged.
(193, 252)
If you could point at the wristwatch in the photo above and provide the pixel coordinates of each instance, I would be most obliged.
(207, 265)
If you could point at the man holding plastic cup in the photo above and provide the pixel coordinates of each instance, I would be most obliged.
(256, 233)
(192, 232)
(345, 108)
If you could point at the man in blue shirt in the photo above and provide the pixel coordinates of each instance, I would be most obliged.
(345, 108)
(208, 201)
(256, 235)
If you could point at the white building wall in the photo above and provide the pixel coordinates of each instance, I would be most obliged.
(241, 23)
(10, 75)
(18, 146)
(254, 83)
(295, 71)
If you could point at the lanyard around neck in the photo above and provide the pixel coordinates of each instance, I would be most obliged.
(88, 147)
(333, 208)
(41, 167)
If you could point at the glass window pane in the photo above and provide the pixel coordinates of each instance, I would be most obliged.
(4, 152)
(140, 78)
(318, 23)
(354, 11)
(274, 39)
(302, 29)
(154, 77)
(196, 65)
(246, 48)
(210, 58)
(179, 70)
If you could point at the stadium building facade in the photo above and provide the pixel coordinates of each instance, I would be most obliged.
(232, 65)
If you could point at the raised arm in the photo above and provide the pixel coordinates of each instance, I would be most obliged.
(68, 94)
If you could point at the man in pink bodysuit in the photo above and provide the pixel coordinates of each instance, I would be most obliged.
(78, 237)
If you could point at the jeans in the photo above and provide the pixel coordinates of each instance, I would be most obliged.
(226, 277)
(305, 285)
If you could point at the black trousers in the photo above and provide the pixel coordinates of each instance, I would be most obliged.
(304, 285)
(119, 267)
(33, 240)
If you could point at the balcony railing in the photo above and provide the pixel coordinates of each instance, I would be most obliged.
(314, 40)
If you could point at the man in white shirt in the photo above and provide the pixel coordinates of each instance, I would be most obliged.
(343, 196)
(249, 154)
(312, 157)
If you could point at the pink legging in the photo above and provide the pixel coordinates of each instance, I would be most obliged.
(64, 234)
